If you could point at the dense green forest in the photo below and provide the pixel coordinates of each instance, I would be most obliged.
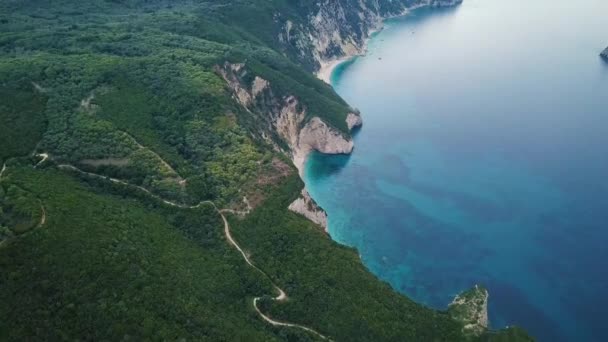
(129, 93)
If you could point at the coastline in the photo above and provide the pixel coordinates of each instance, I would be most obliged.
(327, 68)
(325, 73)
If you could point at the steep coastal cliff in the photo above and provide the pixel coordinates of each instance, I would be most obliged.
(335, 29)
(213, 96)
(329, 31)
(307, 207)
(284, 120)
(288, 127)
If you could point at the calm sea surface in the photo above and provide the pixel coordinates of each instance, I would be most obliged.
(483, 159)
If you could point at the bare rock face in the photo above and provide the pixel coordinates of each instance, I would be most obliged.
(354, 120)
(308, 208)
(229, 72)
(340, 28)
(258, 86)
(315, 135)
(286, 118)
(604, 54)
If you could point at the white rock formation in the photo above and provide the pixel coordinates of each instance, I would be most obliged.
(307, 207)
(340, 29)
(353, 120)
(287, 119)
(258, 86)
(315, 135)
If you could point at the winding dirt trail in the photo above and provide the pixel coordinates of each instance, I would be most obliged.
(44, 156)
(281, 295)
(162, 161)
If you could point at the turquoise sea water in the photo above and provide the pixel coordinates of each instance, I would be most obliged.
(483, 159)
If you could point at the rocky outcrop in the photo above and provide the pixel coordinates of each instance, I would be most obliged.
(604, 54)
(471, 309)
(339, 28)
(334, 29)
(229, 72)
(307, 207)
(285, 118)
(258, 86)
(354, 120)
(305, 137)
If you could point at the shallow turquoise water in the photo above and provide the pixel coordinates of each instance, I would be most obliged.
(483, 159)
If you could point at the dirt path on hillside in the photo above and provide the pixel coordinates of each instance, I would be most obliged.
(281, 295)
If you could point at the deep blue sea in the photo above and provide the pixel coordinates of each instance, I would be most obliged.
(483, 159)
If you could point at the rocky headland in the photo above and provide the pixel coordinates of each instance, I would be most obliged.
(471, 309)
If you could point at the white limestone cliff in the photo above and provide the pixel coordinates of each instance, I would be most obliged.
(287, 119)
(353, 120)
(308, 208)
(339, 29)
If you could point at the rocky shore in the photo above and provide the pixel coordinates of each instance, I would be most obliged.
(471, 308)
(336, 32)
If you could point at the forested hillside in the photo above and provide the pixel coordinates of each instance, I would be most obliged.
(116, 119)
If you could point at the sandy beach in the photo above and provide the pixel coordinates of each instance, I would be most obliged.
(327, 68)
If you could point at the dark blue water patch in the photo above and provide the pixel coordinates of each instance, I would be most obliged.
(326, 165)
(512, 302)
(482, 160)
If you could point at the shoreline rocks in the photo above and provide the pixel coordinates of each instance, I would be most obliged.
(308, 208)
(471, 309)
(354, 120)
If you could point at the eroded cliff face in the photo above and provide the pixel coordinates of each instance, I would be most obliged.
(354, 120)
(283, 121)
(338, 28)
(285, 118)
(331, 30)
(307, 207)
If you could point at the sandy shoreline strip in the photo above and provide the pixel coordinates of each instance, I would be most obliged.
(327, 68)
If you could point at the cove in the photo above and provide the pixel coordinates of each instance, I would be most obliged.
(482, 160)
